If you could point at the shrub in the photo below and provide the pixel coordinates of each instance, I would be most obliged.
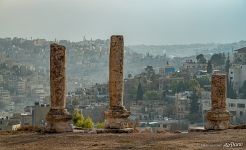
(88, 123)
(80, 121)
(100, 125)
(77, 116)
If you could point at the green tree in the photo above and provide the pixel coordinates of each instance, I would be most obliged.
(150, 71)
(184, 85)
(218, 59)
(203, 81)
(77, 117)
(193, 85)
(201, 59)
(100, 125)
(129, 76)
(88, 123)
(151, 95)
(80, 121)
(209, 67)
(195, 114)
(227, 64)
(194, 103)
(231, 93)
(140, 92)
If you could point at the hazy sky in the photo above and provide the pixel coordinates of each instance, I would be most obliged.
(140, 21)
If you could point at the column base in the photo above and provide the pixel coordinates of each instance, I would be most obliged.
(58, 121)
(116, 118)
(217, 120)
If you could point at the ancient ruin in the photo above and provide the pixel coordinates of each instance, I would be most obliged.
(58, 118)
(116, 116)
(218, 117)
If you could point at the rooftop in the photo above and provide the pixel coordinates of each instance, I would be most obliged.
(241, 50)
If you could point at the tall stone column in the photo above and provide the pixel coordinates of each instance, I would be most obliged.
(58, 118)
(116, 116)
(218, 117)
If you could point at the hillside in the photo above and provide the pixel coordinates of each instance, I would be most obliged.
(87, 60)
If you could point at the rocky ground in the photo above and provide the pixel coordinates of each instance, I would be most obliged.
(227, 139)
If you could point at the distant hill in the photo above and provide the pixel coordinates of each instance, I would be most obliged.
(88, 59)
(187, 50)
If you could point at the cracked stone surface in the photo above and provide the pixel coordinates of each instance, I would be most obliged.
(58, 118)
(218, 117)
(116, 116)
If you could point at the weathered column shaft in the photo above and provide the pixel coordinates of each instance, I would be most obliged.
(218, 91)
(218, 117)
(116, 116)
(58, 118)
(57, 76)
(116, 71)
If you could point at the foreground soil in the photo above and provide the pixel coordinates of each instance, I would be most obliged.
(145, 141)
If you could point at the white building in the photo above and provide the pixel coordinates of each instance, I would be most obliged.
(38, 91)
(193, 67)
(21, 86)
(5, 96)
(240, 56)
(237, 108)
(237, 75)
(182, 105)
(1, 79)
(237, 72)
(26, 119)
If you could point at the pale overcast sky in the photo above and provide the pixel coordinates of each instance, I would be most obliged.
(140, 21)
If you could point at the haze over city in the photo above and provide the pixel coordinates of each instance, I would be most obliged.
(157, 22)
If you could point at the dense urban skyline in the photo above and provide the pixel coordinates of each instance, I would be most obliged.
(141, 22)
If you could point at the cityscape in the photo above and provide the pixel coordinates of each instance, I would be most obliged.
(158, 88)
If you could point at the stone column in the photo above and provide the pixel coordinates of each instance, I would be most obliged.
(58, 118)
(218, 117)
(116, 116)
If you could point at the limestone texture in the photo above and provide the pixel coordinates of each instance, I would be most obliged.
(218, 117)
(58, 118)
(116, 116)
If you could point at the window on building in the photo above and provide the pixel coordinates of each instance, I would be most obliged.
(241, 113)
(240, 105)
(232, 105)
